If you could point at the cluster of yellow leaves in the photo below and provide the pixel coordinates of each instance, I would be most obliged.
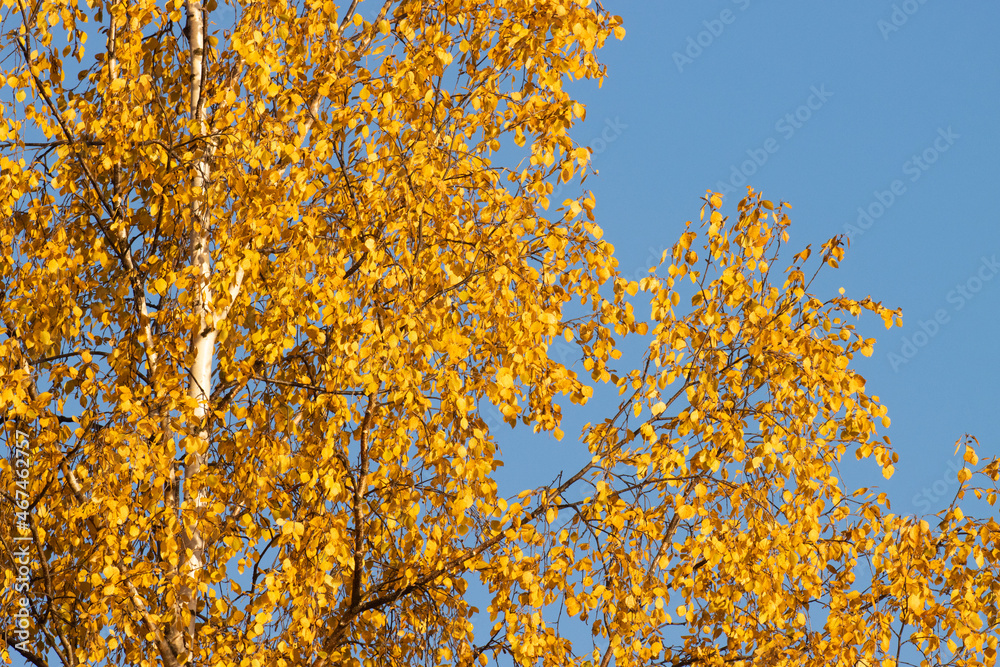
(717, 503)
(373, 281)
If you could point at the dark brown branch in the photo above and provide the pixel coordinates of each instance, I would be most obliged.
(299, 385)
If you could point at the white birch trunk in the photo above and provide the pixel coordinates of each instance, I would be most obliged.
(202, 344)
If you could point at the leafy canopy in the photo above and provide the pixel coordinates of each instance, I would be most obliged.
(266, 274)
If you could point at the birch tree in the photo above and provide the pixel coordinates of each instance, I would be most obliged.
(268, 270)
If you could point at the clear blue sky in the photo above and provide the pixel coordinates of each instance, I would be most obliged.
(835, 105)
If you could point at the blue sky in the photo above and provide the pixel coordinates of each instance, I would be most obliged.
(886, 107)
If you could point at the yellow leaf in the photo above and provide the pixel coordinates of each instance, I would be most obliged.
(505, 378)
(572, 606)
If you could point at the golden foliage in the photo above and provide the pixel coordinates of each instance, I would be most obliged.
(261, 280)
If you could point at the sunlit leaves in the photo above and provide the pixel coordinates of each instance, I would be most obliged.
(263, 345)
(371, 283)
